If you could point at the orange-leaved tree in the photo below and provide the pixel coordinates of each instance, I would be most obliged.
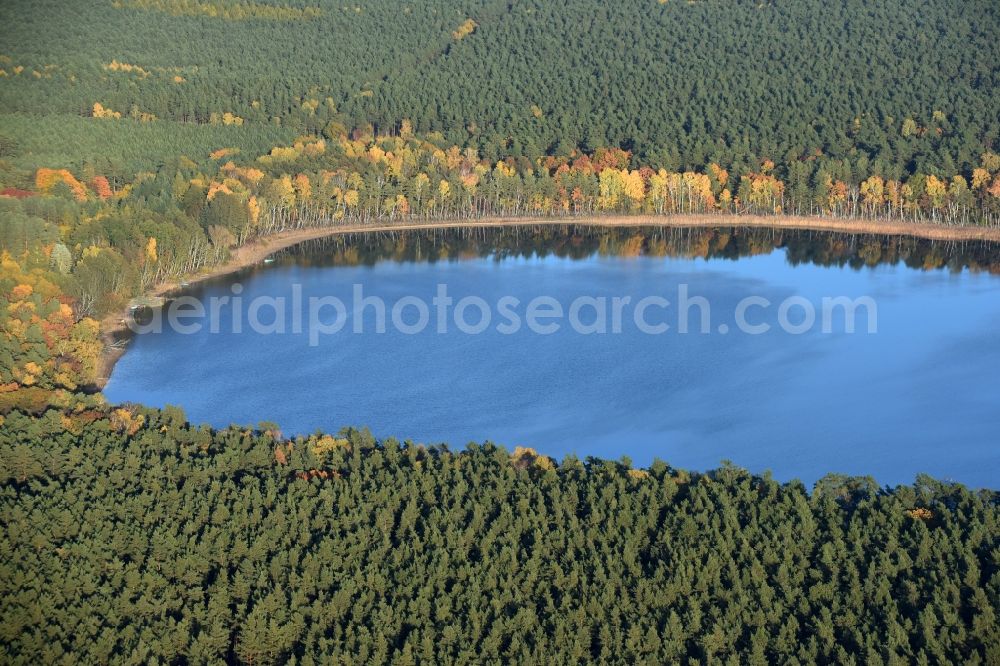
(42, 342)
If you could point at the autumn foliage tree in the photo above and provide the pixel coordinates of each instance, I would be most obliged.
(43, 343)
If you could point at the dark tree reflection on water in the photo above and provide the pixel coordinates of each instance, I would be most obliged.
(801, 405)
(580, 242)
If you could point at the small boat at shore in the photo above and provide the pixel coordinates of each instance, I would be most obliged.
(142, 302)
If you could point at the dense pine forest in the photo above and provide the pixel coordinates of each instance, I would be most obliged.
(132, 537)
(889, 88)
(144, 141)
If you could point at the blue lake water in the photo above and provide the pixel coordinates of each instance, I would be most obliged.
(922, 394)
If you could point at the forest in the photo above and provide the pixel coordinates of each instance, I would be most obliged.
(859, 89)
(132, 536)
(108, 238)
(144, 141)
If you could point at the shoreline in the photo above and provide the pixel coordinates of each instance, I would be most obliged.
(114, 325)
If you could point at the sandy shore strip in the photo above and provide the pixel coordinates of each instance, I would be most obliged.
(113, 326)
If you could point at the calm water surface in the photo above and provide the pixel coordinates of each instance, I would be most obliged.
(920, 395)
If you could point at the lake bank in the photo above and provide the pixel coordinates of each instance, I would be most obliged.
(114, 327)
(825, 397)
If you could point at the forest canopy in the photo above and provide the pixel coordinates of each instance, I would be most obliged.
(144, 141)
(892, 88)
(133, 537)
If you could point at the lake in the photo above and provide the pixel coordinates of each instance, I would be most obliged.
(915, 388)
